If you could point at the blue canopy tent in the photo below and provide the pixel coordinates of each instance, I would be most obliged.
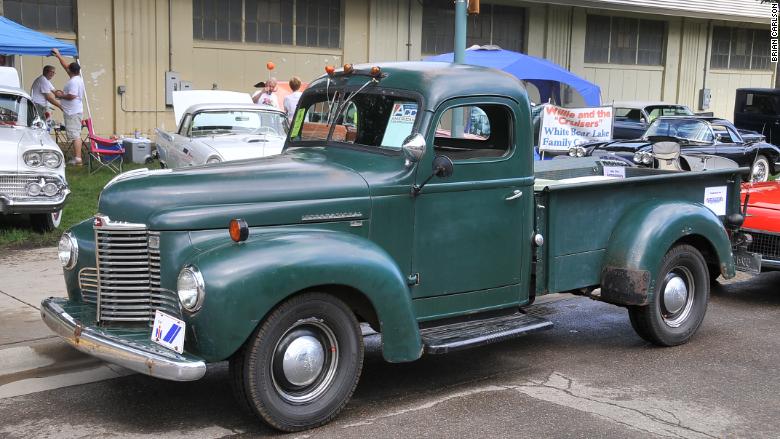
(16, 39)
(547, 77)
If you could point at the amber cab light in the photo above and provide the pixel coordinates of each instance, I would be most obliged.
(375, 71)
(239, 230)
(348, 69)
(329, 70)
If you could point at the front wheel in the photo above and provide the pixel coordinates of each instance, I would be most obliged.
(760, 170)
(46, 222)
(679, 301)
(301, 366)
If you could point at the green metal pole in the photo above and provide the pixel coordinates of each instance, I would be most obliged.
(459, 56)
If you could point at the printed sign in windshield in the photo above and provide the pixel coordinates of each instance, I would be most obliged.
(400, 125)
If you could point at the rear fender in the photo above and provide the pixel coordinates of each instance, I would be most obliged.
(245, 281)
(643, 236)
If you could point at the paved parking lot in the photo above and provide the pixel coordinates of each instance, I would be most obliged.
(590, 376)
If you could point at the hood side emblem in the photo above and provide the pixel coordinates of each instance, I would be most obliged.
(331, 216)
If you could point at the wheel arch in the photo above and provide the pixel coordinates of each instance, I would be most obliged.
(245, 282)
(643, 236)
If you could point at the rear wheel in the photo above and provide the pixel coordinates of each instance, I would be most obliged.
(301, 366)
(46, 222)
(679, 301)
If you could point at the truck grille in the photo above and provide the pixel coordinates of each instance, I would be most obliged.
(128, 273)
(88, 284)
(768, 244)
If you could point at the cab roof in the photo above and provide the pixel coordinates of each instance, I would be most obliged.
(435, 81)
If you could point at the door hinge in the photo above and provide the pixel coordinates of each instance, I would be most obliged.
(413, 279)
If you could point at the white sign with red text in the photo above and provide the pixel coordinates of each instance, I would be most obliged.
(563, 128)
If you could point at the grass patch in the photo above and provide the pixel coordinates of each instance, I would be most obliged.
(16, 232)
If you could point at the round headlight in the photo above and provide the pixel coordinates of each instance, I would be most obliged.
(647, 158)
(50, 189)
(33, 159)
(637, 157)
(572, 152)
(580, 151)
(191, 288)
(68, 251)
(33, 189)
(51, 159)
(213, 160)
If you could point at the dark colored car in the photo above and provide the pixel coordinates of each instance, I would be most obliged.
(633, 117)
(758, 109)
(701, 135)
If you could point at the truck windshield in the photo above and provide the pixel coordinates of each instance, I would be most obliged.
(363, 118)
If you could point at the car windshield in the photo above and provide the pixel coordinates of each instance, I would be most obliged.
(667, 110)
(685, 129)
(209, 123)
(13, 110)
(363, 118)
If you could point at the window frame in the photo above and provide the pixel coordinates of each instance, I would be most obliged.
(591, 57)
(732, 35)
(73, 28)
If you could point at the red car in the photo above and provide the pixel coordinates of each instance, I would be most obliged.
(763, 221)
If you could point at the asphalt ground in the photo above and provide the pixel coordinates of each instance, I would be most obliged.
(590, 376)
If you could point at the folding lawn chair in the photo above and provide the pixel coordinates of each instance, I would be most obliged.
(103, 153)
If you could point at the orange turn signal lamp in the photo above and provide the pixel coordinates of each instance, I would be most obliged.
(239, 230)
(349, 69)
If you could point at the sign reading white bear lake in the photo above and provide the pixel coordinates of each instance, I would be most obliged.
(563, 128)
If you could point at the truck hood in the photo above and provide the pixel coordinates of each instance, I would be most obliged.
(244, 146)
(296, 187)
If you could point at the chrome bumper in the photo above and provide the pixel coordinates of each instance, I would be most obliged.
(148, 360)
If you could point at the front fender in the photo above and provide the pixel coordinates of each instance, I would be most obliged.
(643, 236)
(246, 281)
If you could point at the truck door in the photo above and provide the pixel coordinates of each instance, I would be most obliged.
(472, 230)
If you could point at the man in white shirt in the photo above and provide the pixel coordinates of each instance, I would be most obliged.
(291, 100)
(70, 99)
(267, 96)
(42, 91)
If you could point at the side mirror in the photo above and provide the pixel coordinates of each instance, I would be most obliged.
(442, 168)
(413, 148)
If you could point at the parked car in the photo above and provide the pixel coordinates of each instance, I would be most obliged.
(434, 237)
(758, 109)
(213, 133)
(633, 117)
(32, 167)
(700, 135)
(762, 221)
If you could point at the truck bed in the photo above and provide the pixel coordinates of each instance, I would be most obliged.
(577, 207)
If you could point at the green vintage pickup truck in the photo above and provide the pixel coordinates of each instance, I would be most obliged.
(405, 200)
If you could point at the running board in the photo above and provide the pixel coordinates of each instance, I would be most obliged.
(464, 335)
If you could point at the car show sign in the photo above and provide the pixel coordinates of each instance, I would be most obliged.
(563, 128)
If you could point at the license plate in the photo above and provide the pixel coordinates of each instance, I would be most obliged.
(747, 261)
(168, 331)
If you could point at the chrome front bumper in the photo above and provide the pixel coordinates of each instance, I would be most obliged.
(140, 356)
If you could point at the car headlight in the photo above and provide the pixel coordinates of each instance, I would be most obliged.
(51, 159)
(33, 159)
(637, 157)
(34, 189)
(572, 152)
(50, 189)
(191, 288)
(68, 251)
(580, 151)
(647, 158)
(213, 160)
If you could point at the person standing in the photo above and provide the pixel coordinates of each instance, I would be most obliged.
(291, 100)
(42, 91)
(70, 99)
(268, 94)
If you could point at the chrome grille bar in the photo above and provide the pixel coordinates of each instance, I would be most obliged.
(128, 274)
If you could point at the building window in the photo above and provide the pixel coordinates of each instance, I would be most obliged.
(740, 49)
(51, 15)
(292, 22)
(622, 40)
(499, 25)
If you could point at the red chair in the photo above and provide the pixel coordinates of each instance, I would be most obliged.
(103, 153)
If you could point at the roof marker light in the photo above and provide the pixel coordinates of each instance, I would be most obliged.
(239, 230)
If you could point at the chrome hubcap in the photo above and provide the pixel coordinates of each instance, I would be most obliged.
(303, 360)
(677, 297)
(759, 171)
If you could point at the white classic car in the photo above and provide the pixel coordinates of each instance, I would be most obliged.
(32, 167)
(218, 132)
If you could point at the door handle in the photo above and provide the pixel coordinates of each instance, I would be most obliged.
(517, 193)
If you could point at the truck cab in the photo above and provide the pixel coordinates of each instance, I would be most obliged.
(406, 199)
